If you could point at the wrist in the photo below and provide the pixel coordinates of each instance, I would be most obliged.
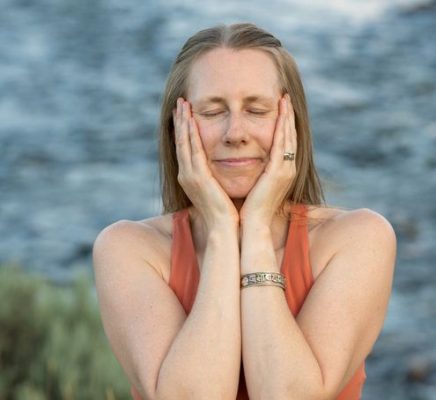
(214, 223)
(257, 251)
(255, 220)
(258, 228)
(222, 234)
(250, 214)
(223, 228)
(253, 269)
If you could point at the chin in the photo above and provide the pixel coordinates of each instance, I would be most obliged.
(238, 196)
(237, 190)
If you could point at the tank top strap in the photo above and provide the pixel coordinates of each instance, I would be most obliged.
(184, 275)
(296, 261)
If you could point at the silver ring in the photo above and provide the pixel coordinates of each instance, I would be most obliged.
(288, 156)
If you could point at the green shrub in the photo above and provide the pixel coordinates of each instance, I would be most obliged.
(52, 344)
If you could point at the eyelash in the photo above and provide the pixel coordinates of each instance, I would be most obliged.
(219, 112)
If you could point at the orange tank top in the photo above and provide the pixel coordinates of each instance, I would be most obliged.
(184, 279)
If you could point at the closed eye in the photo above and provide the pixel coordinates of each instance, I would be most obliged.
(215, 113)
(211, 114)
(257, 112)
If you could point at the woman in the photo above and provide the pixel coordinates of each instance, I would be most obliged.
(247, 286)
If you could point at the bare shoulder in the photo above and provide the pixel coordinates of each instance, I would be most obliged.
(361, 222)
(332, 229)
(141, 314)
(333, 218)
(149, 239)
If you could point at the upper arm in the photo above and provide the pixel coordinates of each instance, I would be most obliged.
(141, 315)
(345, 309)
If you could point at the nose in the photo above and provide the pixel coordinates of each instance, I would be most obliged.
(235, 133)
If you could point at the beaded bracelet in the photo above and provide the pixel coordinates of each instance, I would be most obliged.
(263, 279)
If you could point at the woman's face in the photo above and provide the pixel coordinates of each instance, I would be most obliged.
(234, 95)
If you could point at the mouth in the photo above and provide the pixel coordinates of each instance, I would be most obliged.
(238, 162)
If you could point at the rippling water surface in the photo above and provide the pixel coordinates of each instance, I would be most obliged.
(80, 85)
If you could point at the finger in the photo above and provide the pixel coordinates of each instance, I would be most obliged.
(198, 155)
(293, 129)
(285, 110)
(288, 145)
(278, 142)
(183, 150)
(179, 109)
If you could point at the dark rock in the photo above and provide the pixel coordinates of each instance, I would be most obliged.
(418, 369)
(418, 7)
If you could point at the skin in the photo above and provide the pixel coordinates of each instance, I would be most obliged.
(237, 126)
(352, 255)
(248, 118)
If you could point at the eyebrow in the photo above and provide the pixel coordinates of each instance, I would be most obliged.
(249, 99)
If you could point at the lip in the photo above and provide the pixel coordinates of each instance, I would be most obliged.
(238, 162)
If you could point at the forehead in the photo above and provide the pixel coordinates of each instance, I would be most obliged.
(229, 73)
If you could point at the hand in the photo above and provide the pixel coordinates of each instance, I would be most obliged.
(272, 186)
(195, 177)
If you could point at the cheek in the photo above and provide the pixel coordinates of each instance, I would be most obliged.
(264, 131)
(209, 134)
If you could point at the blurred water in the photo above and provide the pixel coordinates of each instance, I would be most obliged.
(80, 85)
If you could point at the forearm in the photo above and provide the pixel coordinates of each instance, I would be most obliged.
(204, 359)
(278, 362)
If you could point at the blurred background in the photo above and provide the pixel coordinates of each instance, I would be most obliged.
(80, 90)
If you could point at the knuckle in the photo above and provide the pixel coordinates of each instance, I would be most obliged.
(181, 178)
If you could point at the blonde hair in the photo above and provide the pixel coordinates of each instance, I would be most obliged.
(306, 187)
